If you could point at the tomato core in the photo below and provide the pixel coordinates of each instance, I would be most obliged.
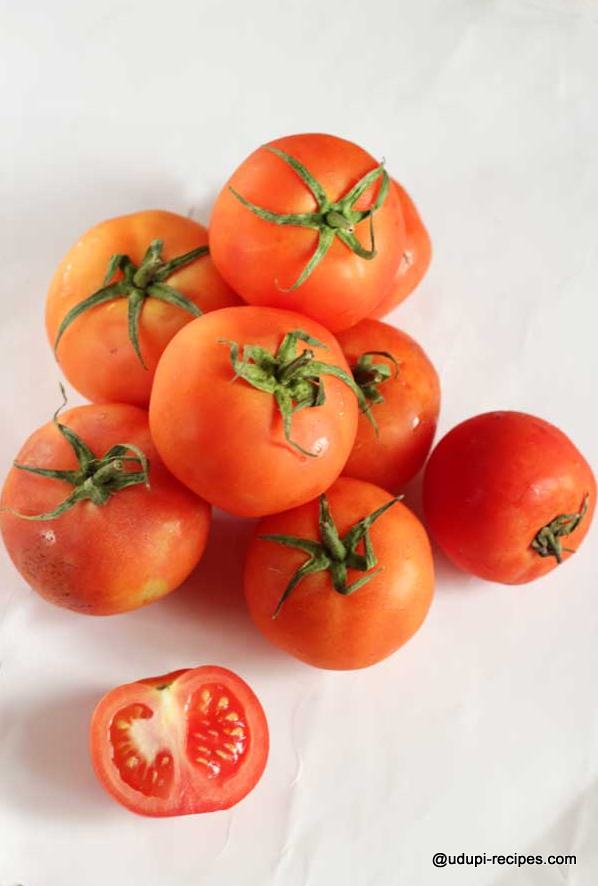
(138, 752)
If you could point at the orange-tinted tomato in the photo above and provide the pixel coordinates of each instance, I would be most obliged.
(415, 260)
(192, 741)
(263, 260)
(507, 495)
(407, 415)
(105, 558)
(225, 438)
(96, 353)
(316, 623)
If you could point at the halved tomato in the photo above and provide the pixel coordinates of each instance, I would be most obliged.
(195, 740)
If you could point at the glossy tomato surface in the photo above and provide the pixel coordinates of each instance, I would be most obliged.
(493, 483)
(406, 418)
(224, 438)
(261, 260)
(415, 260)
(101, 559)
(96, 353)
(316, 623)
(192, 741)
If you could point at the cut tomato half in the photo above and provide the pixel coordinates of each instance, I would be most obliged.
(194, 740)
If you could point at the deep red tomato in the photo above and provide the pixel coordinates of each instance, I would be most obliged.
(105, 542)
(402, 388)
(254, 409)
(292, 228)
(104, 311)
(340, 583)
(192, 741)
(507, 496)
(415, 260)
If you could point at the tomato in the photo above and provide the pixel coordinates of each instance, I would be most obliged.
(402, 388)
(340, 583)
(507, 496)
(415, 260)
(254, 409)
(109, 351)
(82, 527)
(192, 741)
(292, 229)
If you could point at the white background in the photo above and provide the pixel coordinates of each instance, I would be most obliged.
(481, 734)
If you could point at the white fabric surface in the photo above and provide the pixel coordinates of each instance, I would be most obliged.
(482, 733)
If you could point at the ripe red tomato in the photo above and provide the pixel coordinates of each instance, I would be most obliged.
(402, 388)
(507, 496)
(415, 260)
(106, 542)
(292, 229)
(251, 416)
(342, 583)
(192, 741)
(161, 278)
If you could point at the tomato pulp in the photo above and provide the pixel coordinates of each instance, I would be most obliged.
(195, 740)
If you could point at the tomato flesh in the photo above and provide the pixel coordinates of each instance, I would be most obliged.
(193, 741)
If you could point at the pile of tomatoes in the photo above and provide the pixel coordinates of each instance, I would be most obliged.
(246, 368)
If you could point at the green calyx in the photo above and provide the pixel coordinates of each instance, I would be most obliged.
(136, 284)
(294, 380)
(96, 479)
(333, 553)
(547, 542)
(369, 375)
(332, 219)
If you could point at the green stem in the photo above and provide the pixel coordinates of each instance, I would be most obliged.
(332, 219)
(294, 380)
(369, 375)
(547, 541)
(137, 284)
(334, 553)
(96, 479)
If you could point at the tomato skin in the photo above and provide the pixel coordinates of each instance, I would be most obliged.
(415, 260)
(95, 353)
(189, 793)
(225, 439)
(106, 559)
(318, 625)
(260, 259)
(493, 482)
(406, 419)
